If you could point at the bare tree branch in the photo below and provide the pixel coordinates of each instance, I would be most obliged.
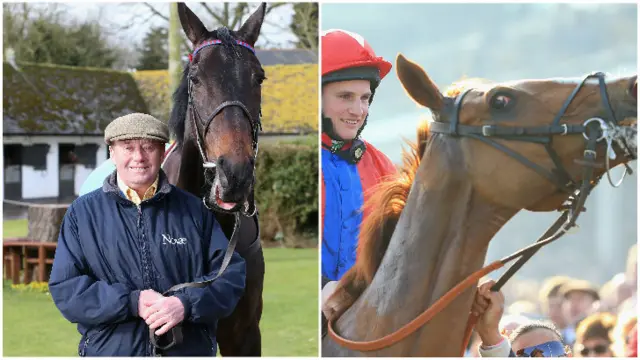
(213, 14)
(273, 6)
(240, 10)
(225, 14)
(156, 12)
(277, 25)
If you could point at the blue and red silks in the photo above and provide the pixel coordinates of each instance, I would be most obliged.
(345, 189)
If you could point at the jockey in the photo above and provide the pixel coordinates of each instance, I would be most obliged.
(351, 72)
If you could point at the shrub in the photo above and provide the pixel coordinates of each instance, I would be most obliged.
(287, 191)
(34, 286)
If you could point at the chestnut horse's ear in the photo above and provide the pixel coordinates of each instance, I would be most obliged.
(191, 24)
(418, 85)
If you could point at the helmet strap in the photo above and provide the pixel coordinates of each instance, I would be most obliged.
(355, 148)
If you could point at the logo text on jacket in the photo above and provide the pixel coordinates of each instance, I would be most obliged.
(168, 239)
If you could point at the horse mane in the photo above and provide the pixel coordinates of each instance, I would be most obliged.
(387, 200)
(177, 121)
(386, 203)
(389, 197)
(180, 97)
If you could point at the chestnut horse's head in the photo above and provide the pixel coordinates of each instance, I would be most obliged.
(525, 142)
(223, 81)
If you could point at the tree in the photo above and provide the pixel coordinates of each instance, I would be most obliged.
(304, 25)
(175, 47)
(154, 53)
(213, 15)
(41, 35)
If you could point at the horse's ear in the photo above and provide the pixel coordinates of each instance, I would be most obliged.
(250, 30)
(417, 84)
(191, 24)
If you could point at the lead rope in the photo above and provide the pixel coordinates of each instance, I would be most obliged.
(564, 224)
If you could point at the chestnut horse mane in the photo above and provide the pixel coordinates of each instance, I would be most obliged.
(386, 202)
(389, 197)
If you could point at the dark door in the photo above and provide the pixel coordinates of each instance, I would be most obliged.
(67, 173)
(13, 171)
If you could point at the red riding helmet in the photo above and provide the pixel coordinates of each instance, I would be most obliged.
(348, 56)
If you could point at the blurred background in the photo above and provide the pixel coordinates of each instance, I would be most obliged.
(503, 42)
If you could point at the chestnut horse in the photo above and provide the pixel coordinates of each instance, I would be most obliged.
(430, 227)
(215, 121)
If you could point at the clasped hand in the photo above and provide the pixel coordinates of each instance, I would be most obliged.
(159, 311)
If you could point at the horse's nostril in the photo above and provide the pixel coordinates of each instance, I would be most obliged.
(221, 162)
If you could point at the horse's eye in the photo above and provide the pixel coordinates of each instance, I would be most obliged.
(194, 78)
(500, 101)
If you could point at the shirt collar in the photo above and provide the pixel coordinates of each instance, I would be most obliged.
(133, 195)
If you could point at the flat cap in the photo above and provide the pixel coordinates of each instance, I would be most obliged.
(136, 126)
(576, 285)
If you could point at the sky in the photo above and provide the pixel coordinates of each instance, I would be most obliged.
(115, 15)
(475, 40)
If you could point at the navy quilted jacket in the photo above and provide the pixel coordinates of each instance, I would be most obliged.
(109, 250)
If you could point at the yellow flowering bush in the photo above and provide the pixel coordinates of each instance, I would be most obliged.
(34, 286)
(289, 97)
(154, 87)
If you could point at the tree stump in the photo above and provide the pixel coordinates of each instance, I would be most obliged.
(44, 221)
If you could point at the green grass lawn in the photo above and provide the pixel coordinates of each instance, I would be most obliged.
(14, 228)
(33, 326)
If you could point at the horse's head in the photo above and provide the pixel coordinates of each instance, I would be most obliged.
(525, 142)
(224, 79)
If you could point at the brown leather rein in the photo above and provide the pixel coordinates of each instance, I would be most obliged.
(593, 130)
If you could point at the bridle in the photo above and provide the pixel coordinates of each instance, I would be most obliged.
(256, 126)
(541, 134)
(593, 130)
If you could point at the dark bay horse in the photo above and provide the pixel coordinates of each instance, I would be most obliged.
(490, 151)
(215, 121)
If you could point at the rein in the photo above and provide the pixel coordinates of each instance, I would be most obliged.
(594, 130)
(176, 331)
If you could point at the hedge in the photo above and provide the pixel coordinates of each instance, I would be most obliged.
(287, 193)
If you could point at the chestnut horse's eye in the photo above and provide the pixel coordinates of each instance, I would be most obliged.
(500, 101)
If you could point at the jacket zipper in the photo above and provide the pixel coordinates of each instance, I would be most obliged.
(206, 333)
(149, 348)
(83, 349)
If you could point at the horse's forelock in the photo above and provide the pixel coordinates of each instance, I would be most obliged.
(465, 83)
(223, 34)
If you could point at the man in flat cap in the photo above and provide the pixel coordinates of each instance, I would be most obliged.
(580, 300)
(122, 246)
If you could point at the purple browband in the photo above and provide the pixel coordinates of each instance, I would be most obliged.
(217, 42)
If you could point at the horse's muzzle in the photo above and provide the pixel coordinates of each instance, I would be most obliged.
(234, 180)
